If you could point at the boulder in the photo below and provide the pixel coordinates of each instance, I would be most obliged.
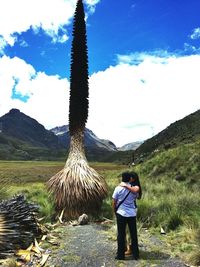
(180, 177)
(83, 219)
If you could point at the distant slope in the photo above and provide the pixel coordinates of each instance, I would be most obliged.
(181, 163)
(186, 130)
(23, 138)
(130, 146)
(91, 141)
(20, 126)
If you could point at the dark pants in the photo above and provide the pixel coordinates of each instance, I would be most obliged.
(121, 229)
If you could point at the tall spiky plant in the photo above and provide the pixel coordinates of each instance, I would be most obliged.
(78, 188)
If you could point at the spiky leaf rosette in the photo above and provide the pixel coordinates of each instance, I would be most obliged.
(78, 188)
(78, 108)
(18, 224)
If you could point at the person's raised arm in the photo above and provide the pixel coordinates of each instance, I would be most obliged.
(134, 189)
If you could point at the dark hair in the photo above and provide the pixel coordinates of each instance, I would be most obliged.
(135, 176)
(126, 177)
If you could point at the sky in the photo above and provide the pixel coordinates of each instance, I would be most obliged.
(144, 63)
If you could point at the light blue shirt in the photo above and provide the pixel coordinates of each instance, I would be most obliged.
(127, 208)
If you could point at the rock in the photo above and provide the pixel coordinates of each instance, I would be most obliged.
(180, 177)
(83, 219)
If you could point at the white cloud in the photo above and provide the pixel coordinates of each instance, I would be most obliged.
(127, 102)
(49, 15)
(138, 57)
(191, 48)
(23, 43)
(48, 95)
(10, 71)
(3, 44)
(156, 92)
(195, 34)
(92, 5)
(49, 101)
(92, 2)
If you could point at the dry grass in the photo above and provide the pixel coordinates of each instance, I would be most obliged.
(77, 188)
(2, 228)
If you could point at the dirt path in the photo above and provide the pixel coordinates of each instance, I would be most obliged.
(93, 246)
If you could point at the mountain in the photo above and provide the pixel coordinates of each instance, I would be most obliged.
(91, 141)
(20, 126)
(186, 130)
(130, 146)
(23, 138)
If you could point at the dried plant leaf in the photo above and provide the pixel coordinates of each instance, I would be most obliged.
(41, 219)
(21, 252)
(162, 231)
(30, 247)
(44, 237)
(44, 259)
(36, 250)
(26, 258)
(37, 246)
(61, 216)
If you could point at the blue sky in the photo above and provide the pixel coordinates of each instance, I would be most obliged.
(144, 57)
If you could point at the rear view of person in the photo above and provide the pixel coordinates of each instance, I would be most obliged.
(134, 181)
(124, 201)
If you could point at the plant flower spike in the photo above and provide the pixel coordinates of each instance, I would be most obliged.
(78, 188)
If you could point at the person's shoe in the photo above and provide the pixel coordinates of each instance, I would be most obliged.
(119, 258)
(129, 251)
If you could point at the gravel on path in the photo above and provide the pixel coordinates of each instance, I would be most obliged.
(90, 246)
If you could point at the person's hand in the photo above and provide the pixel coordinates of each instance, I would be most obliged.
(123, 184)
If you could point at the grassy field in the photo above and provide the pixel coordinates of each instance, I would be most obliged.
(167, 201)
(30, 177)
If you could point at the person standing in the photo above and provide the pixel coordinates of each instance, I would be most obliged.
(124, 197)
(134, 181)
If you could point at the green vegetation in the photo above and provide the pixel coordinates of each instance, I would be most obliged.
(14, 149)
(184, 131)
(171, 199)
(28, 178)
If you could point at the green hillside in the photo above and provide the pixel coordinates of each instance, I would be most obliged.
(183, 160)
(171, 198)
(14, 149)
(184, 131)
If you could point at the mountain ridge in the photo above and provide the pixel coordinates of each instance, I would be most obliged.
(183, 131)
(24, 138)
(90, 139)
(20, 126)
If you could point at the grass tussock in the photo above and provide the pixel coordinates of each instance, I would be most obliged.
(171, 199)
